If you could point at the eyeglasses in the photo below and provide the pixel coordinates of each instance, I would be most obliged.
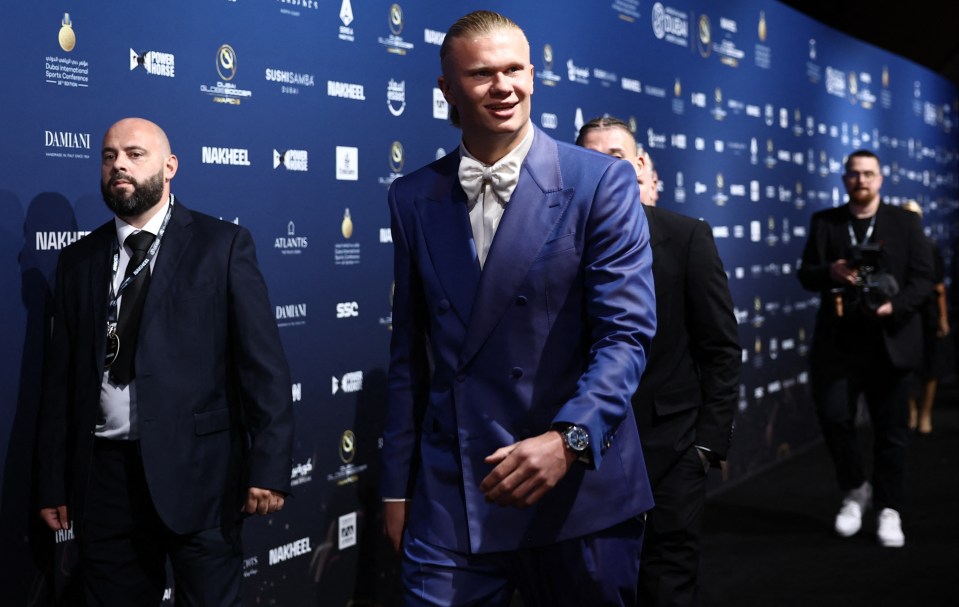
(864, 175)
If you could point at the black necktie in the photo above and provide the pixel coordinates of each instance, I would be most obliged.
(128, 324)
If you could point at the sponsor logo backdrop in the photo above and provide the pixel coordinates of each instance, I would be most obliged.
(292, 117)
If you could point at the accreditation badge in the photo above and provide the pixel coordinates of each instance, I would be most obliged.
(113, 345)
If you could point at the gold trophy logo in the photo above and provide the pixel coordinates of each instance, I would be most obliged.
(705, 36)
(226, 62)
(347, 447)
(677, 88)
(68, 39)
(396, 157)
(396, 19)
(762, 26)
(347, 226)
(548, 57)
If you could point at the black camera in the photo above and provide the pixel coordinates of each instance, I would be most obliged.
(873, 287)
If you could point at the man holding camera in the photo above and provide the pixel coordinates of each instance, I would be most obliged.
(873, 268)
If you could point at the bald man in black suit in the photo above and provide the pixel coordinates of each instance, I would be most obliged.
(167, 411)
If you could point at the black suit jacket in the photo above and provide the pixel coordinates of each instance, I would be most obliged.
(905, 253)
(688, 393)
(212, 385)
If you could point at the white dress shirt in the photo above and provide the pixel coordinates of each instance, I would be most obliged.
(118, 404)
(486, 208)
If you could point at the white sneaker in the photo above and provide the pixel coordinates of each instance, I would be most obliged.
(849, 520)
(890, 529)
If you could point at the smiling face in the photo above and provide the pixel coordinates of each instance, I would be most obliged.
(136, 168)
(488, 78)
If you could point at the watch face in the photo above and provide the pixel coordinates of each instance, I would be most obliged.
(576, 438)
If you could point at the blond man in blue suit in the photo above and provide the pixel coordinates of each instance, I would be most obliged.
(523, 313)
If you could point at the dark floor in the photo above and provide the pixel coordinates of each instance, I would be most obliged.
(768, 541)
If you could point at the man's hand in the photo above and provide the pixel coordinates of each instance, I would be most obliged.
(839, 271)
(263, 501)
(943, 327)
(884, 310)
(526, 470)
(56, 518)
(395, 515)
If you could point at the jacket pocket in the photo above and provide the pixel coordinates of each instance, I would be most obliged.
(209, 422)
(557, 245)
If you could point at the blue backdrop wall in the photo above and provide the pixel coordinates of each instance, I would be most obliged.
(292, 117)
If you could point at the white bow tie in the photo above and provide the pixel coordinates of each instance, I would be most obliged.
(502, 178)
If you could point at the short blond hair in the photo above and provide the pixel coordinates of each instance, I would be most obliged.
(476, 23)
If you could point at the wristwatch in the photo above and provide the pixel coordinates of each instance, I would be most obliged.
(576, 439)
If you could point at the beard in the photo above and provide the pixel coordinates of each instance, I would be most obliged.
(143, 198)
(861, 196)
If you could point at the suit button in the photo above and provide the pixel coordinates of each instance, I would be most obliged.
(443, 305)
(521, 300)
(516, 372)
(461, 377)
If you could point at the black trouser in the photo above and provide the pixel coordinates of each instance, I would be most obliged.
(886, 391)
(671, 550)
(124, 545)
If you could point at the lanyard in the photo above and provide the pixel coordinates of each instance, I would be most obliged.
(151, 253)
(852, 233)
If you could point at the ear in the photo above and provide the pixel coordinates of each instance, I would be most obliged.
(445, 89)
(170, 167)
(641, 165)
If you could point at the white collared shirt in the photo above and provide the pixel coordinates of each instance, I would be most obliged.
(118, 418)
(485, 217)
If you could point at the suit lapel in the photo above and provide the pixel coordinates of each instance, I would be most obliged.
(534, 208)
(175, 241)
(449, 238)
(101, 272)
(657, 235)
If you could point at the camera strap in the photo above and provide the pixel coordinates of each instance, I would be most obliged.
(852, 233)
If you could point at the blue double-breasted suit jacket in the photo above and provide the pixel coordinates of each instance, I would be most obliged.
(554, 329)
